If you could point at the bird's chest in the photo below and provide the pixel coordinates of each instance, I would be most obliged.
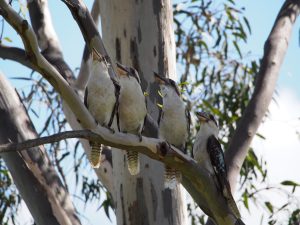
(132, 108)
(173, 126)
(200, 149)
(101, 98)
(201, 155)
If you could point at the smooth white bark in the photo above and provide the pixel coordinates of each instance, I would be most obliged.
(140, 34)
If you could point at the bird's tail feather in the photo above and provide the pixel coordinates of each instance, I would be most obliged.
(172, 177)
(234, 207)
(230, 200)
(133, 162)
(95, 154)
(239, 222)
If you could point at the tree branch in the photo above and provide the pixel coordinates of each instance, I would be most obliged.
(89, 30)
(44, 67)
(41, 65)
(87, 134)
(32, 172)
(46, 36)
(196, 178)
(15, 54)
(274, 52)
(84, 71)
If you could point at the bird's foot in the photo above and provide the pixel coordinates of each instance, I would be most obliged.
(140, 137)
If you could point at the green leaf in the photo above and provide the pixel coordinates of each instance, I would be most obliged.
(260, 136)
(245, 200)
(183, 83)
(269, 206)
(159, 105)
(289, 183)
(247, 24)
(237, 48)
(160, 94)
(7, 39)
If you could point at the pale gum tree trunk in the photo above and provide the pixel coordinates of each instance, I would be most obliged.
(140, 33)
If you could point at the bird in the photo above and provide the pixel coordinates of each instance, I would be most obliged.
(101, 99)
(208, 152)
(132, 110)
(174, 123)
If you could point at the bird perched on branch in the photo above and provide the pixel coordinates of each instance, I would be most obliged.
(132, 110)
(101, 99)
(174, 123)
(207, 151)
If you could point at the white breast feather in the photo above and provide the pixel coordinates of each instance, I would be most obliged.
(199, 149)
(173, 124)
(101, 93)
(132, 108)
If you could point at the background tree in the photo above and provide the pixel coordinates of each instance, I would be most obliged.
(214, 76)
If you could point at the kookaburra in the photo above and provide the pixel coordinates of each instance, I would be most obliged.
(132, 110)
(174, 123)
(207, 151)
(101, 99)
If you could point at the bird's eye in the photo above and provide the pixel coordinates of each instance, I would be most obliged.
(212, 118)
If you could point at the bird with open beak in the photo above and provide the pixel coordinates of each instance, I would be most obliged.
(132, 110)
(174, 123)
(208, 152)
(101, 99)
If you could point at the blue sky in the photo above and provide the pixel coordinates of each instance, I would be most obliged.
(261, 15)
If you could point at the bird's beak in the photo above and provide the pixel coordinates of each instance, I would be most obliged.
(122, 70)
(202, 116)
(159, 79)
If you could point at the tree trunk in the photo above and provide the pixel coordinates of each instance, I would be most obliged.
(139, 33)
(32, 172)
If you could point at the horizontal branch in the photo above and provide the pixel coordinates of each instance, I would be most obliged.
(15, 54)
(196, 178)
(87, 134)
(33, 173)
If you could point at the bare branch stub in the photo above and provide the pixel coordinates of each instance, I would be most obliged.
(15, 54)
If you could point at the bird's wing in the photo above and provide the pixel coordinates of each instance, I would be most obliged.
(145, 119)
(160, 114)
(188, 127)
(217, 159)
(189, 121)
(216, 155)
(116, 106)
(85, 98)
